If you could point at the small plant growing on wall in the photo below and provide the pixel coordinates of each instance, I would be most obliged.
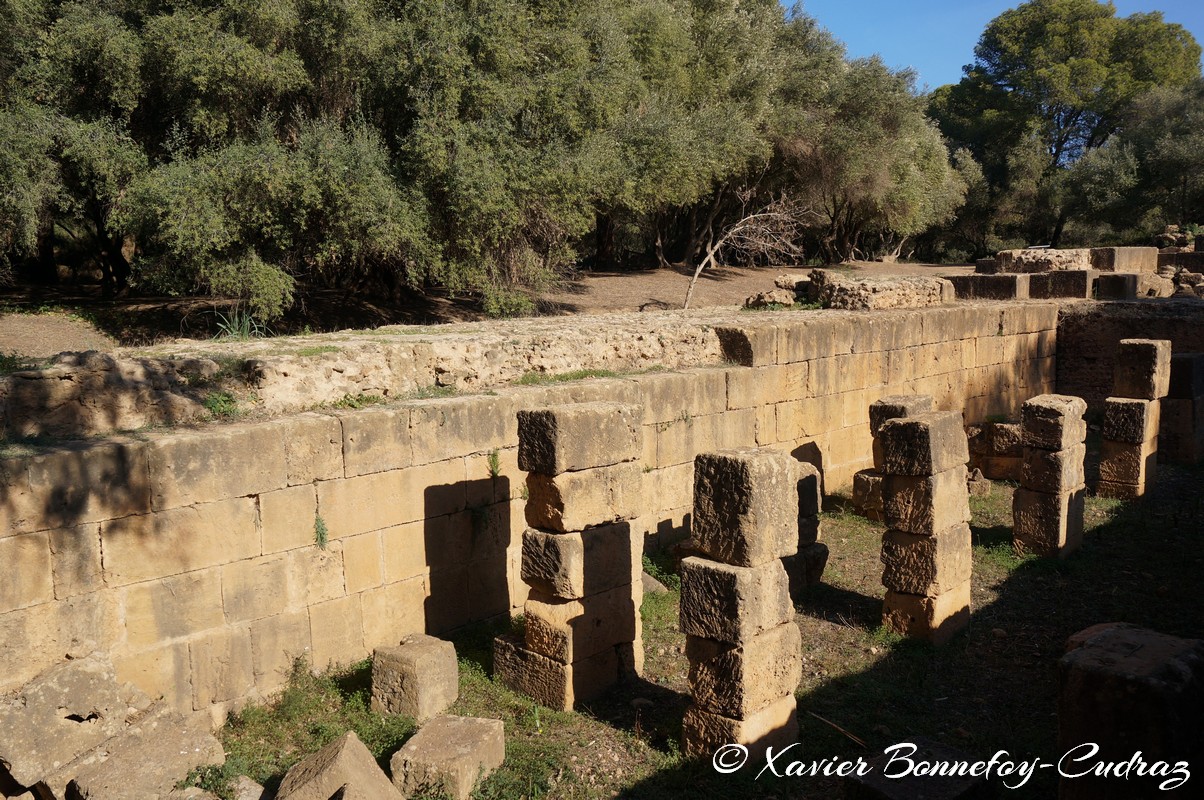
(321, 533)
(495, 464)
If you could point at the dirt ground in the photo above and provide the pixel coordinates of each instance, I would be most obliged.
(40, 322)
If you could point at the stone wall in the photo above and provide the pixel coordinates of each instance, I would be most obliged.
(1089, 333)
(192, 556)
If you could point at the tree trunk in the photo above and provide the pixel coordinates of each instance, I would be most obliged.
(604, 242)
(1059, 226)
(45, 268)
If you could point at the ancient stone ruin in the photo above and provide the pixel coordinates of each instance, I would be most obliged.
(867, 484)
(806, 567)
(926, 549)
(997, 450)
(582, 619)
(1047, 509)
(742, 643)
(1181, 412)
(1129, 452)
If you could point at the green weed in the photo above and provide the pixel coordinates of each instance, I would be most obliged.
(222, 405)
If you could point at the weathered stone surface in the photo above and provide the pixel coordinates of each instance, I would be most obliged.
(745, 506)
(345, 765)
(934, 619)
(1042, 260)
(897, 407)
(1143, 369)
(572, 501)
(418, 679)
(775, 726)
(926, 504)
(732, 604)
(1130, 420)
(247, 789)
(867, 493)
(1187, 376)
(1053, 471)
(449, 756)
(568, 631)
(883, 782)
(927, 565)
(739, 680)
(1129, 690)
(925, 444)
(1047, 524)
(776, 297)
(805, 568)
(986, 266)
(576, 565)
(1124, 259)
(580, 436)
(836, 291)
(1053, 422)
(62, 714)
(999, 468)
(557, 685)
(1119, 286)
(990, 286)
(1071, 283)
(1128, 463)
(1119, 491)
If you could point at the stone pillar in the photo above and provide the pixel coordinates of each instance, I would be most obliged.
(1181, 416)
(997, 450)
(806, 567)
(1137, 694)
(926, 549)
(744, 648)
(867, 484)
(580, 556)
(1129, 453)
(1047, 509)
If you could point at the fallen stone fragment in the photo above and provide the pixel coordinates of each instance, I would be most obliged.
(449, 756)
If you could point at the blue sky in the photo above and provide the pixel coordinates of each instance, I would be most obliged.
(937, 37)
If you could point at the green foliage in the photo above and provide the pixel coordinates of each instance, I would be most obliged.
(495, 463)
(222, 405)
(544, 378)
(321, 533)
(354, 401)
(239, 325)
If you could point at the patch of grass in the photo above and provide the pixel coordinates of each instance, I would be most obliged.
(355, 401)
(239, 325)
(432, 392)
(659, 565)
(222, 405)
(495, 463)
(14, 362)
(317, 350)
(321, 533)
(543, 378)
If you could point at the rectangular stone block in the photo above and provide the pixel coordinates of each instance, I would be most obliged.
(996, 439)
(926, 565)
(1130, 420)
(550, 683)
(1119, 491)
(576, 437)
(313, 447)
(776, 726)
(375, 440)
(75, 553)
(393, 611)
(733, 604)
(568, 631)
(925, 444)
(254, 589)
(986, 266)
(1072, 284)
(1118, 286)
(897, 407)
(1047, 524)
(575, 565)
(999, 468)
(1053, 471)
(867, 493)
(1180, 431)
(195, 467)
(164, 671)
(750, 345)
(1128, 463)
(746, 506)
(1053, 422)
(932, 619)
(27, 577)
(221, 667)
(276, 643)
(287, 517)
(572, 501)
(990, 286)
(1143, 369)
(1187, 376)
(173, 607)
(738, 681)
(368, 503)
(1124, 259)
(80, 482)
(926, 504)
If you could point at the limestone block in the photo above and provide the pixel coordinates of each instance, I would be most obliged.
(1180, 432)
(88, 482)
(62, 714)
(1130, 420)
(926, 504)
(449, 756)
(551, 683)
(733, 604)
(27, 573)
(194, 467)
(345, 768)
(1143, 369)
(1128, 463)
(148, 760)
(999, 468)
(867, 493)
(926, 565)
(1042, 260)
(1124, 259)
(568, 631)
(575, 565)
(990, 286)
(749, 345)
(356, 505)
(221, 667)
(313, 447)
(75, 560)
(1119, 286)
(572, 501)
(173, 607)
(999, 439)
(1047, 524)
(1119, 491)
(419, 679)
(774, 726)
(375, 440)
(336, 630)
(1053, 422)
(897, 407)
(925, 444)
(1129, 690)
(810, 489)
(805, 568)
(275, 644)
(933, 619)
(1070, 283)
(745, 506)
(254, 589)
(396, 610)
(739, 680)
(287, 517)
(1187, 376)
(1053, 471)
(985, 266)
(575, 437)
